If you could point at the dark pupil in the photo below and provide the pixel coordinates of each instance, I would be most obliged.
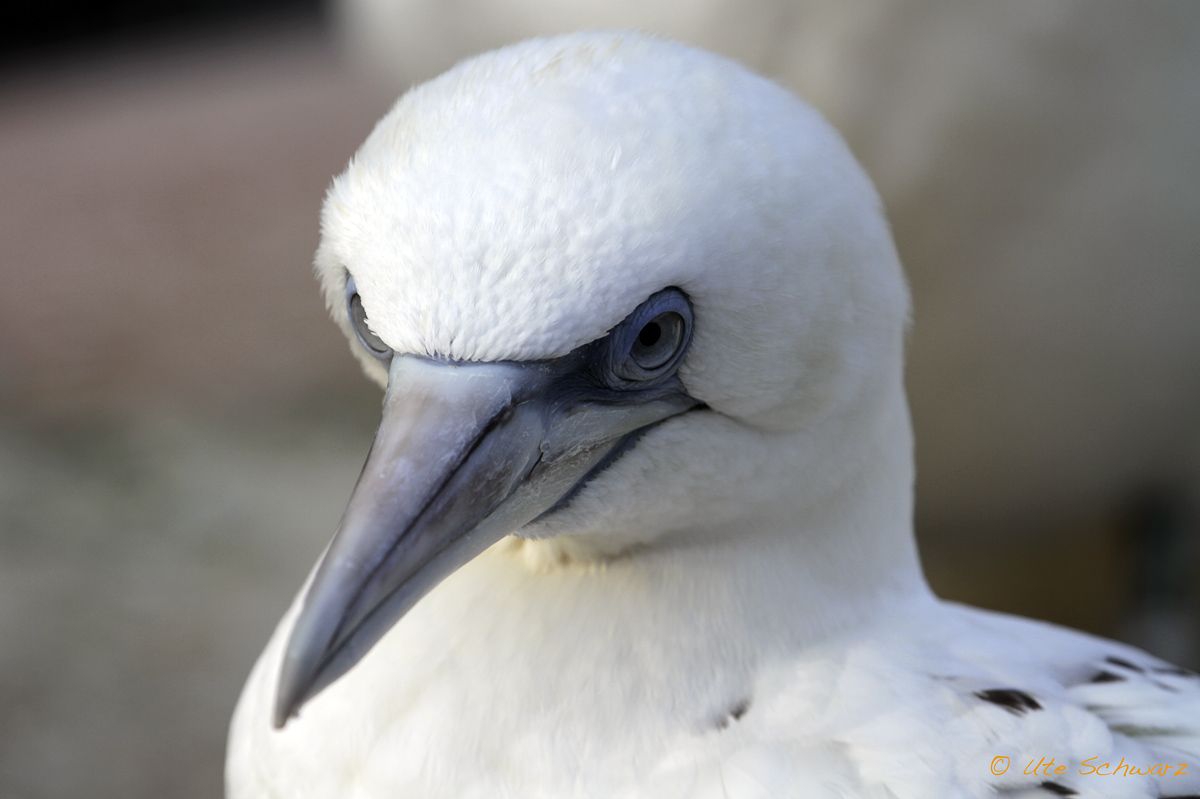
(650, 334)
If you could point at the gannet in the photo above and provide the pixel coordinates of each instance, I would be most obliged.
(637, 521)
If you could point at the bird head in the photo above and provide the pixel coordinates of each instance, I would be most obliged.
(602, 277)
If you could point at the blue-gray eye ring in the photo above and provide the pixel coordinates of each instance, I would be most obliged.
(651, 342)
(358, 319)
(657, 341)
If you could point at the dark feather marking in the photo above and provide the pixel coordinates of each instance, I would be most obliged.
(1011, 699)
(734, 713)
(1174, 671)
(1058, 790)
(1125, 664)
(1139, 731)
(1104, 675)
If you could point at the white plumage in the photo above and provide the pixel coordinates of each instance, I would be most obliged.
(734, 606)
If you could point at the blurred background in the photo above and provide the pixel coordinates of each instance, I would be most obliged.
(180, 425)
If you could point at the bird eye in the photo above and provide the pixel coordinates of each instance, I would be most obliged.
(657, 341)
(358, 318)
(651, 342)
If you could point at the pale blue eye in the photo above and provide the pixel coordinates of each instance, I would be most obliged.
(657, 341)
(650, 343)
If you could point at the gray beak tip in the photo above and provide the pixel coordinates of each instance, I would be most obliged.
(281, 715)
(290, 693)
(287, 704)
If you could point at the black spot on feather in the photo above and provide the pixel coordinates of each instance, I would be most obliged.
(1104, 675)
(734, 713)
(1175, 671)
(1125, 664)
(1058, 790)
(1011, 699)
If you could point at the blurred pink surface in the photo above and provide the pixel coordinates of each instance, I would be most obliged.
(160, 212)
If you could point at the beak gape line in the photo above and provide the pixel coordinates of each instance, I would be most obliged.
(465, 454)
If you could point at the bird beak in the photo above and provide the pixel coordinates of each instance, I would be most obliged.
(465, 454)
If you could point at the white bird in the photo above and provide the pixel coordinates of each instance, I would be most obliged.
(638, 518)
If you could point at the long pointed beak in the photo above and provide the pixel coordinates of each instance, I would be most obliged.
(465, 454)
